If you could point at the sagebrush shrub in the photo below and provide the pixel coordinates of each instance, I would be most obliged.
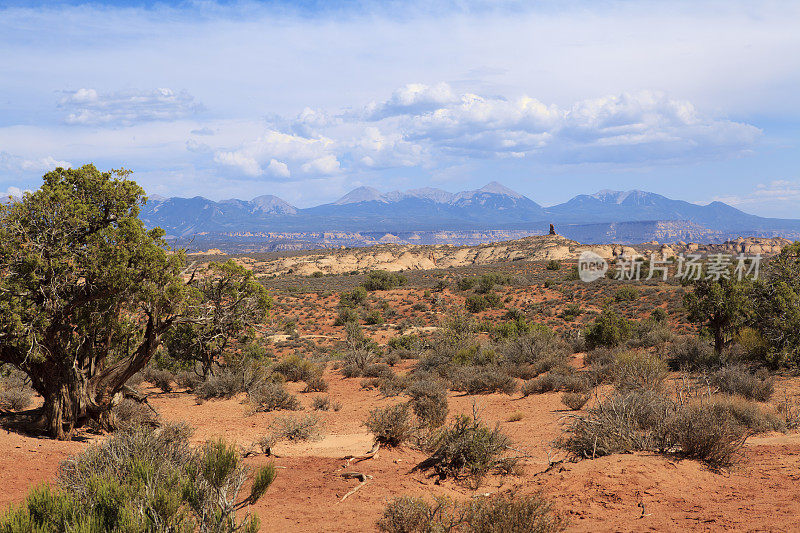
(738, 380)
(295, 428)
(390, 425)
(145, 480)
(468, 450)
(429, 402)
(271, 396)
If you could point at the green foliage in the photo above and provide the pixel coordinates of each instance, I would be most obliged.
(228, 302)
(722, 306)
(380, 280)
(553, 265)
(144, 480)
(86, 293)
(609, 329)
(776, 300)
(626, 294)
(467, 450)
(353, 298)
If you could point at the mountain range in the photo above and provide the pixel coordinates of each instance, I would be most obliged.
(606, 216)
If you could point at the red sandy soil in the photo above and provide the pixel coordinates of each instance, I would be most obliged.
(760, 493)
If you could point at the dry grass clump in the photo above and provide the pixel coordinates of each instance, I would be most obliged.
(575, 400)
(295, 428)
(160, 378)
(272, 396)
(639, 369)
(429, 402)
(738, 380)
(692, 353)
(711, 429)
(316, 384)
(482, 380)
(296, 368)
(503, 513)
(130, 413)
(15, 398)
(559, 379)
(391, 425)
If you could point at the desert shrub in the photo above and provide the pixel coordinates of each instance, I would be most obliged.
(475, 303)
(575, 400)
(271, 396)
(15, 398)
(161, 379)
(623, 422)
(738, 380)
(626, 294)
(316, 383)
(356, 361)
(296, 368)
(130, 413)
(571, 312)
(468, 450)
(393, 385)
(692, 353)
(504, 513)
(353, 298)
(345, 316)
(639, 369)
(492, 299)
(145, 480)
(534, 347)
(553, 265)
(609, 329)
(650, 333)
(659, 315)
(373, 317)
(377, 370)
(560, 379)
(429, 402)
(482, 380)
(321, 403)
(407, 342)
(390, 425)
(295, 428)
(188, 380)
(707, 432)
(486, 282)
(749, 416)
(380, 280)
(465, 284)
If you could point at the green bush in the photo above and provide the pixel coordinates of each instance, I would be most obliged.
(553, 265)
(626, 294)
(145, 480)
(353, 298)
(475, 303)
(467, 450)
(296, 368)
(380, 280)
(609, 329)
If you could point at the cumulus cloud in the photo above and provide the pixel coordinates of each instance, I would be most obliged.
(644, 126)
(90, 107)
(13, 192)
(432, 126)
(14, 163)
(308, 156)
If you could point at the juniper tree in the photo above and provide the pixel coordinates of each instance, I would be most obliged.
(86, 292)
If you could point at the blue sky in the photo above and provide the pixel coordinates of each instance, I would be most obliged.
(693, 100)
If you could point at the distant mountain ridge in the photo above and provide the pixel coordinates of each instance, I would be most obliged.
(593, 217)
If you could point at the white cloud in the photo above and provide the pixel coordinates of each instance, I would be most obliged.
(278, 169)
(306, 155)
(413, 98)
(773, 193)
(88, 107)
(15, 163)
